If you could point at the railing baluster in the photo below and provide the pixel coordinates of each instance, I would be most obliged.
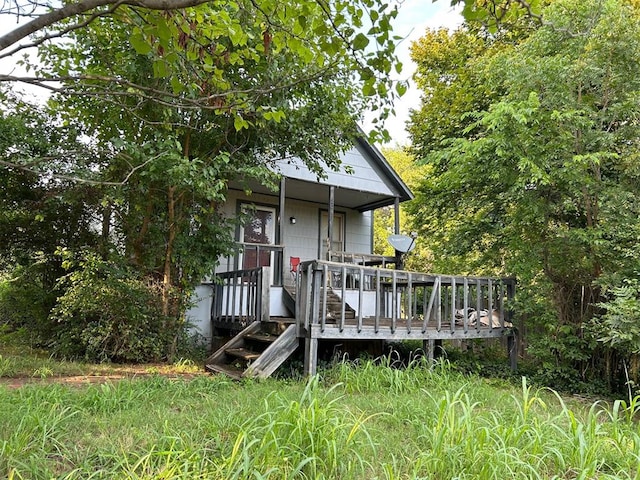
(343, 273)
(426, 307)
(502, 288)
(465, 304)
(233, 299)
(360, 298)
(490, 306)
(478, 302)
(243, 310)
(308, 298)
(316, 290)
(379, 294)
(409, 302)
(394, 301)
(325, 283)
(439, 305)
(452, 315)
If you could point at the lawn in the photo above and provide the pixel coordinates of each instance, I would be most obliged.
(353, 421)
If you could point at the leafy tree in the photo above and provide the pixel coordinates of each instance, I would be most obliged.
(37, 215)
(495, 14)
(384, 220)
(175, 105)
(200, 47)
(542, 183)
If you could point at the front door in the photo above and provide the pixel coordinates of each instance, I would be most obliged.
(337, 243)
(259, 231)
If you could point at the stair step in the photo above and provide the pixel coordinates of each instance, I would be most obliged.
(228, 370)
(261, 337)
(242, 353)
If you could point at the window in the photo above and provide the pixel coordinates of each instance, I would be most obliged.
(261, 230)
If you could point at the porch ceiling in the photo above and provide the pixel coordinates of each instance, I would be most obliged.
(318, 192)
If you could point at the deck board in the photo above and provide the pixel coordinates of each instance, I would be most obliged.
(402, 331)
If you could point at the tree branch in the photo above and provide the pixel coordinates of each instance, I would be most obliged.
(61, 176)
(61, 33)
(78, 8)
(76, 85)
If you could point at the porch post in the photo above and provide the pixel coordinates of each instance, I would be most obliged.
(396, 230)
(281, 215)
(265, 294)
(429, 346)
(396, 216)
(310, 356)
(332, 208)
(280, 240)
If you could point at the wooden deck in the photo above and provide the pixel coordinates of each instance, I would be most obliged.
(338, 301)
(397, 305)
(384, 328)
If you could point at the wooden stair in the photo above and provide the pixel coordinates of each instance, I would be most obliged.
(334, 304)
(334, 307)
(257, 351)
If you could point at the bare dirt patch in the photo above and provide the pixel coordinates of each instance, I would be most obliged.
(114, 375)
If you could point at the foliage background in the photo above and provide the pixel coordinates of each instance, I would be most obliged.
(529, 134)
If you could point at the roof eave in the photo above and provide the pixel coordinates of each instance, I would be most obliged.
(404, 193)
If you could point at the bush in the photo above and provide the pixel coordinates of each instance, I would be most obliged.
(109, 313)
(25, 303)
(618, 327)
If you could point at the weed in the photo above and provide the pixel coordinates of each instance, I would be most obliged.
(43, 372)
(6, 366)
(364, 419)
(185, 365)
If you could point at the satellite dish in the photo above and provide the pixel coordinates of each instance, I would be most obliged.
(402, 243)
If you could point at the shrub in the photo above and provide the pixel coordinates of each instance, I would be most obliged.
(109, 313)
(25, 303)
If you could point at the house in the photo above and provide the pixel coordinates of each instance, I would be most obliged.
(306, 273)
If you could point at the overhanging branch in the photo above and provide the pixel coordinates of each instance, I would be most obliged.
(77, 8)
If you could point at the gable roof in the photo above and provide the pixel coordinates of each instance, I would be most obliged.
(373, 183)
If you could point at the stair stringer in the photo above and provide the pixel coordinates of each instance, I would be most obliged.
(236, 341)
(275, 355)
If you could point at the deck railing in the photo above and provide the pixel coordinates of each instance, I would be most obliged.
(363, 259)
(240, 298)
(255, 255)
(400, 303)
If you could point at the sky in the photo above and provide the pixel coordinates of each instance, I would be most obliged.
(414, 18)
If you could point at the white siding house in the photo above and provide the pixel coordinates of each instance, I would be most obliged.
(294, 221)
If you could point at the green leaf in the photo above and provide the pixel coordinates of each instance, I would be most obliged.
(176, 85)
(139, 43)
(368, 89)
(239, 123)
(360, 41)
(162, 30)
(160, 68)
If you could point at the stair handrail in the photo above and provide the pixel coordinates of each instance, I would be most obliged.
(241, 297)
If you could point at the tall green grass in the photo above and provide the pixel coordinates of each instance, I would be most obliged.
(354, 421)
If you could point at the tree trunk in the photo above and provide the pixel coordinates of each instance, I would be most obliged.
(144, 229)
(173, 225)
(166, 279)
(106, 230)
